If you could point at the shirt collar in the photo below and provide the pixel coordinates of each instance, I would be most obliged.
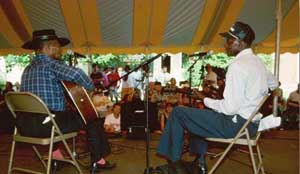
(240, 55)
(41, 56)
(244, 52)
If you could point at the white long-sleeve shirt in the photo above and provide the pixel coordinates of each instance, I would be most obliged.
(247, 81)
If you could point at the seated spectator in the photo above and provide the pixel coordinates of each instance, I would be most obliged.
(291, 114)
(112, 122)
(170, 92)
(164, 117)
(211, 76)
(267, 107)
(156, 94)
(8, 88)
(294, 99)
(126, 98)
(101, 102)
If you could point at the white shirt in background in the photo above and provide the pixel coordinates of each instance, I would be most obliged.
(163, 78)
(111, 120)
(129, 82)
(137, 79)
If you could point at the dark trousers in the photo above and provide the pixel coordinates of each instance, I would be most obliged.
(68, 122)
(201, 123)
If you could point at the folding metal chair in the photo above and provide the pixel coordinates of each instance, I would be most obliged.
(25, 102)
(243, 138)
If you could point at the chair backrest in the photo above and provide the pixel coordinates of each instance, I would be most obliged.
(257, 109)
(242, 131)
(25, 102)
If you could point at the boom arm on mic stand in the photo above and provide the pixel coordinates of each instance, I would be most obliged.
(75, 54)
(73, 57)
(201, 56)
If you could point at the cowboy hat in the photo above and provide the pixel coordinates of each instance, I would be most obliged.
(43, 35)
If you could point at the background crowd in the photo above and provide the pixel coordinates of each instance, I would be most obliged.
(120, 91)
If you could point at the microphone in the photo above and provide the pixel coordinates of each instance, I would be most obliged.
(202, 54)
(72, 53)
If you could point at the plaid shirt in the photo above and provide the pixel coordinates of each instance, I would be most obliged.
(42, 77)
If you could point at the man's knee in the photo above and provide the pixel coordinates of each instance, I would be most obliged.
(177, 112)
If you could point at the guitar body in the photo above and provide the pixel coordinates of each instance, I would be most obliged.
(81, 100)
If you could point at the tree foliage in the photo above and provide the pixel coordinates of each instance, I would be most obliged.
(16, 60)
(220, 60)
(108, 60)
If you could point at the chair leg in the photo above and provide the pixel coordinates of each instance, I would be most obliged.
(74, 147)
(39, 156)
(221, 158)
(252, 159)
(11, 158)
(261, 166)
(251, 152)
(50, 151)
(71, 155)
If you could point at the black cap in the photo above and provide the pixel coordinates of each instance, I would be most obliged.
(240, 31)
(44, 35)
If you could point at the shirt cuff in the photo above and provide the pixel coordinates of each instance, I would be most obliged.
(209, 102)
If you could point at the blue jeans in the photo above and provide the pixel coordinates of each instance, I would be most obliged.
(201, 123)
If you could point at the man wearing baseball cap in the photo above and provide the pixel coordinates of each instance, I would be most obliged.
(247, 82)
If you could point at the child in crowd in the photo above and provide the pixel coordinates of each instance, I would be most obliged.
(112, 122)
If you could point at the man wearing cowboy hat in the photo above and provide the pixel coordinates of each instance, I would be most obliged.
(42, 77)
(247, 82)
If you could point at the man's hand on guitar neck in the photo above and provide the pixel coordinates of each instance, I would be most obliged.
(199, 94)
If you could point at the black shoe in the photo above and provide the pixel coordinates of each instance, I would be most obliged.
(99, 167)
(201, 169)
(201, 166)
(57, 165)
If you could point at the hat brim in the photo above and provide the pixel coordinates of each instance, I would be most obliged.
(228, 35)
(32, 45)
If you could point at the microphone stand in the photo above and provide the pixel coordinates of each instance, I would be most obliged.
(190, 69)
(148, 169)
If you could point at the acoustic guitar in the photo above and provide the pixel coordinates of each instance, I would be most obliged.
(81, 100)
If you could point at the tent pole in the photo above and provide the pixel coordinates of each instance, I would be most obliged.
(299, 48)
(277, 52)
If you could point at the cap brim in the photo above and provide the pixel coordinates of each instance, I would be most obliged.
(227, 35)
(32, 45)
